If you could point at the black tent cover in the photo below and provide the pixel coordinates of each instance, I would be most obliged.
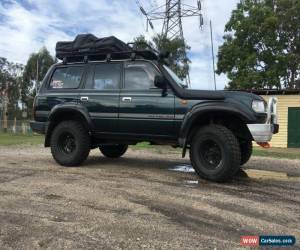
(89, 44)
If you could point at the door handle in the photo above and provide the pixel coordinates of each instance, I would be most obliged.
(126, 99)
(84, 99)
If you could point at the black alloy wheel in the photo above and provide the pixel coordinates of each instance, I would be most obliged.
(70, 143)
(215, 153)
(66, 143)
(210, 154)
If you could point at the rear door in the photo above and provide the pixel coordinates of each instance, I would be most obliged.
(101, 95)
(143, 109)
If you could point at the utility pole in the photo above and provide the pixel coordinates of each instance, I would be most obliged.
(213, 54)
(172, 13)
(37, 74)
(5, 102)
(1, 106)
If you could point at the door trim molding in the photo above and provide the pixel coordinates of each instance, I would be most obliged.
(103, 115)
(147, 116)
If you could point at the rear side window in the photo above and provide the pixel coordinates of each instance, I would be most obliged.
(66, 78)
(106, 77)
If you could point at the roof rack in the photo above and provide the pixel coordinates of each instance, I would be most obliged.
(90, 56)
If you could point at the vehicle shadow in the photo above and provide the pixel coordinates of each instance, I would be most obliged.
(134, 162)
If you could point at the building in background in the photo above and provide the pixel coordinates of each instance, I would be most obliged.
(288, 110)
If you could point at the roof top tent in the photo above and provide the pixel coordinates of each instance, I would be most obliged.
(87, 47)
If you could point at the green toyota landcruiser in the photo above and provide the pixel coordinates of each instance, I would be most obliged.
(107, 94)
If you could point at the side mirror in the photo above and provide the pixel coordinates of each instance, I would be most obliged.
(160, 82)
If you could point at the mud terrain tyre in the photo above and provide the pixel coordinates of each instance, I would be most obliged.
(215, 153)
(70, 143)
(113, 151)
(246, 151)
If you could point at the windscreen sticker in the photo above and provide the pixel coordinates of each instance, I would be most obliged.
(56, 84)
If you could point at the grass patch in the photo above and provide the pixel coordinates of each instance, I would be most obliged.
(7, 139)
(288, 153)
(143, 145)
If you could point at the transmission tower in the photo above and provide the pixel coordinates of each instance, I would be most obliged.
(172, 26)
(172, 13)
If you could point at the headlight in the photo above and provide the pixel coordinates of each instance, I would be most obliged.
(259, 106)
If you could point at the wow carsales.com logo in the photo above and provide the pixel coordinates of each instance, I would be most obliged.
(268, 240)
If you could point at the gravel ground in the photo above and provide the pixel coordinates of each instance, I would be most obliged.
(137, 202)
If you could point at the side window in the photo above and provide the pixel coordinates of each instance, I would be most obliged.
(139, 75)
(106, 76)
(66, 77)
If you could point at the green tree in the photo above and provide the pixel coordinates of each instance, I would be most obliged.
(141, 42)
(178, 59)
(10, 83)
(40, 61)
(262, 45)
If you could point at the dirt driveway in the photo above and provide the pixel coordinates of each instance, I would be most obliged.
(137, 202)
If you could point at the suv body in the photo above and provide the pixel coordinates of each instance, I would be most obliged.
(116, 103)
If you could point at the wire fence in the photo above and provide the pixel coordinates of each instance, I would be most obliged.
(16, 127)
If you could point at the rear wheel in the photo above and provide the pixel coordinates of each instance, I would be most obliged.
(113, 151)
(70, 143)
(246, 151)
(215, 153)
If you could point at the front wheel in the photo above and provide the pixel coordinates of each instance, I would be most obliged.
(215, 153)
(113, 151)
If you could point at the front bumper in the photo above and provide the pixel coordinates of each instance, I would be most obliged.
(38, 127)
(264, 132)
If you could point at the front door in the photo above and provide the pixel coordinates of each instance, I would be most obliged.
(143, 109)
(101, 95)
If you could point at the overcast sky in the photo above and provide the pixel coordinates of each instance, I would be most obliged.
(27, 25)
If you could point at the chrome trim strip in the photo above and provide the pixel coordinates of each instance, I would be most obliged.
(146, 116)
(123, 115)
(100, 92)
(179, 117)
(103, 115)
(132, 115)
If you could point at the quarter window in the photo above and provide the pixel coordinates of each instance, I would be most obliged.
(66, 78)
